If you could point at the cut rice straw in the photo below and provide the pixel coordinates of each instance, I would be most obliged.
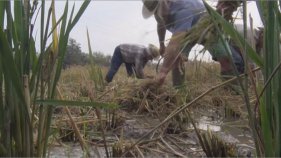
(184, 106)
(172, 149)
(76, 130)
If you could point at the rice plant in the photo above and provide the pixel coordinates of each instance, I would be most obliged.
(95, 71)
(266, 126)
(270, 101)
(28, 75)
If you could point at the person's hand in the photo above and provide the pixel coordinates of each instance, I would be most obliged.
(162, 49)
(154, 83)
(151, 84)
(160, 78)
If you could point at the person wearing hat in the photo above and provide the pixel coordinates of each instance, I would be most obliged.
(178, 17)
(134, 57)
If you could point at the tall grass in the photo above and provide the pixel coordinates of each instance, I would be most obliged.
(27, 75)
(270, 102)
(95, 71)
(266, 127)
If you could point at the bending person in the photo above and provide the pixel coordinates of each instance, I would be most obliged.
(134, 57)
(178, 17)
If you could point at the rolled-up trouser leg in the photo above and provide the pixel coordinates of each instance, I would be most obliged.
(178, 72)
(219, 53)
(237, 59)
(116, 62)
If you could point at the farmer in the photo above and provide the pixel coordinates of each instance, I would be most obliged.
(134, 57)
(178, 17)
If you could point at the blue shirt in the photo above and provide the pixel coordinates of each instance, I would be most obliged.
(181, 15)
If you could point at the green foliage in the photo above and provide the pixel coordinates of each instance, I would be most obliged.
(95, 71)
(26, 75)
(270, 107)
(75, 56)
(100, 59)
(267, 134)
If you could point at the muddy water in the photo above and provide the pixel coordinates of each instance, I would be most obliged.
(74, 150)
(231, 132)
(205, 123)
(135, 128)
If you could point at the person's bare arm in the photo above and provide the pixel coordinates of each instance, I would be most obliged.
(172, 54)
(161, 31)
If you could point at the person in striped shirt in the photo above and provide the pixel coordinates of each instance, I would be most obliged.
(134, 57)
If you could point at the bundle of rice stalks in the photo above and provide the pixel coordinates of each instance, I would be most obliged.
(120, 147)
(213, 146)
(67, 135)
(156, 101)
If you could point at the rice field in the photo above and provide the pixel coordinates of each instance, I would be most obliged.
(44, 109)
(219, 116)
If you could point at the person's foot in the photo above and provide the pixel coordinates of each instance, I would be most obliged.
(178, 78)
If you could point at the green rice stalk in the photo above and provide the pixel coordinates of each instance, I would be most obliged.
(245, 94)
(61, 49)
(270, 109)
(95, 71)
(19, 88)
(2, 11)
(2, 108)
(96, 76)
(261, 6)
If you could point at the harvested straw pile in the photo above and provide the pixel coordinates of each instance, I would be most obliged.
(154, 100)
(155, 103)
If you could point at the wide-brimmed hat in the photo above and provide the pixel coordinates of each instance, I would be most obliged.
(149, 7)
(154, 51)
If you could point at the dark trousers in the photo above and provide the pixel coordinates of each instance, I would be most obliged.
(116, 62)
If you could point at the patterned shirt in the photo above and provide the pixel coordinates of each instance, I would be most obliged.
(179, 15)
(137, 55)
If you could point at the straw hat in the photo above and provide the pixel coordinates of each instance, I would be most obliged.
(154, 51)
(149, 7)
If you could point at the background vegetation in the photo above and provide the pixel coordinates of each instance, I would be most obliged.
(75, 56)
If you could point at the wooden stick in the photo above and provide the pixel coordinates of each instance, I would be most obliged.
(172, 149)
(76, 130)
